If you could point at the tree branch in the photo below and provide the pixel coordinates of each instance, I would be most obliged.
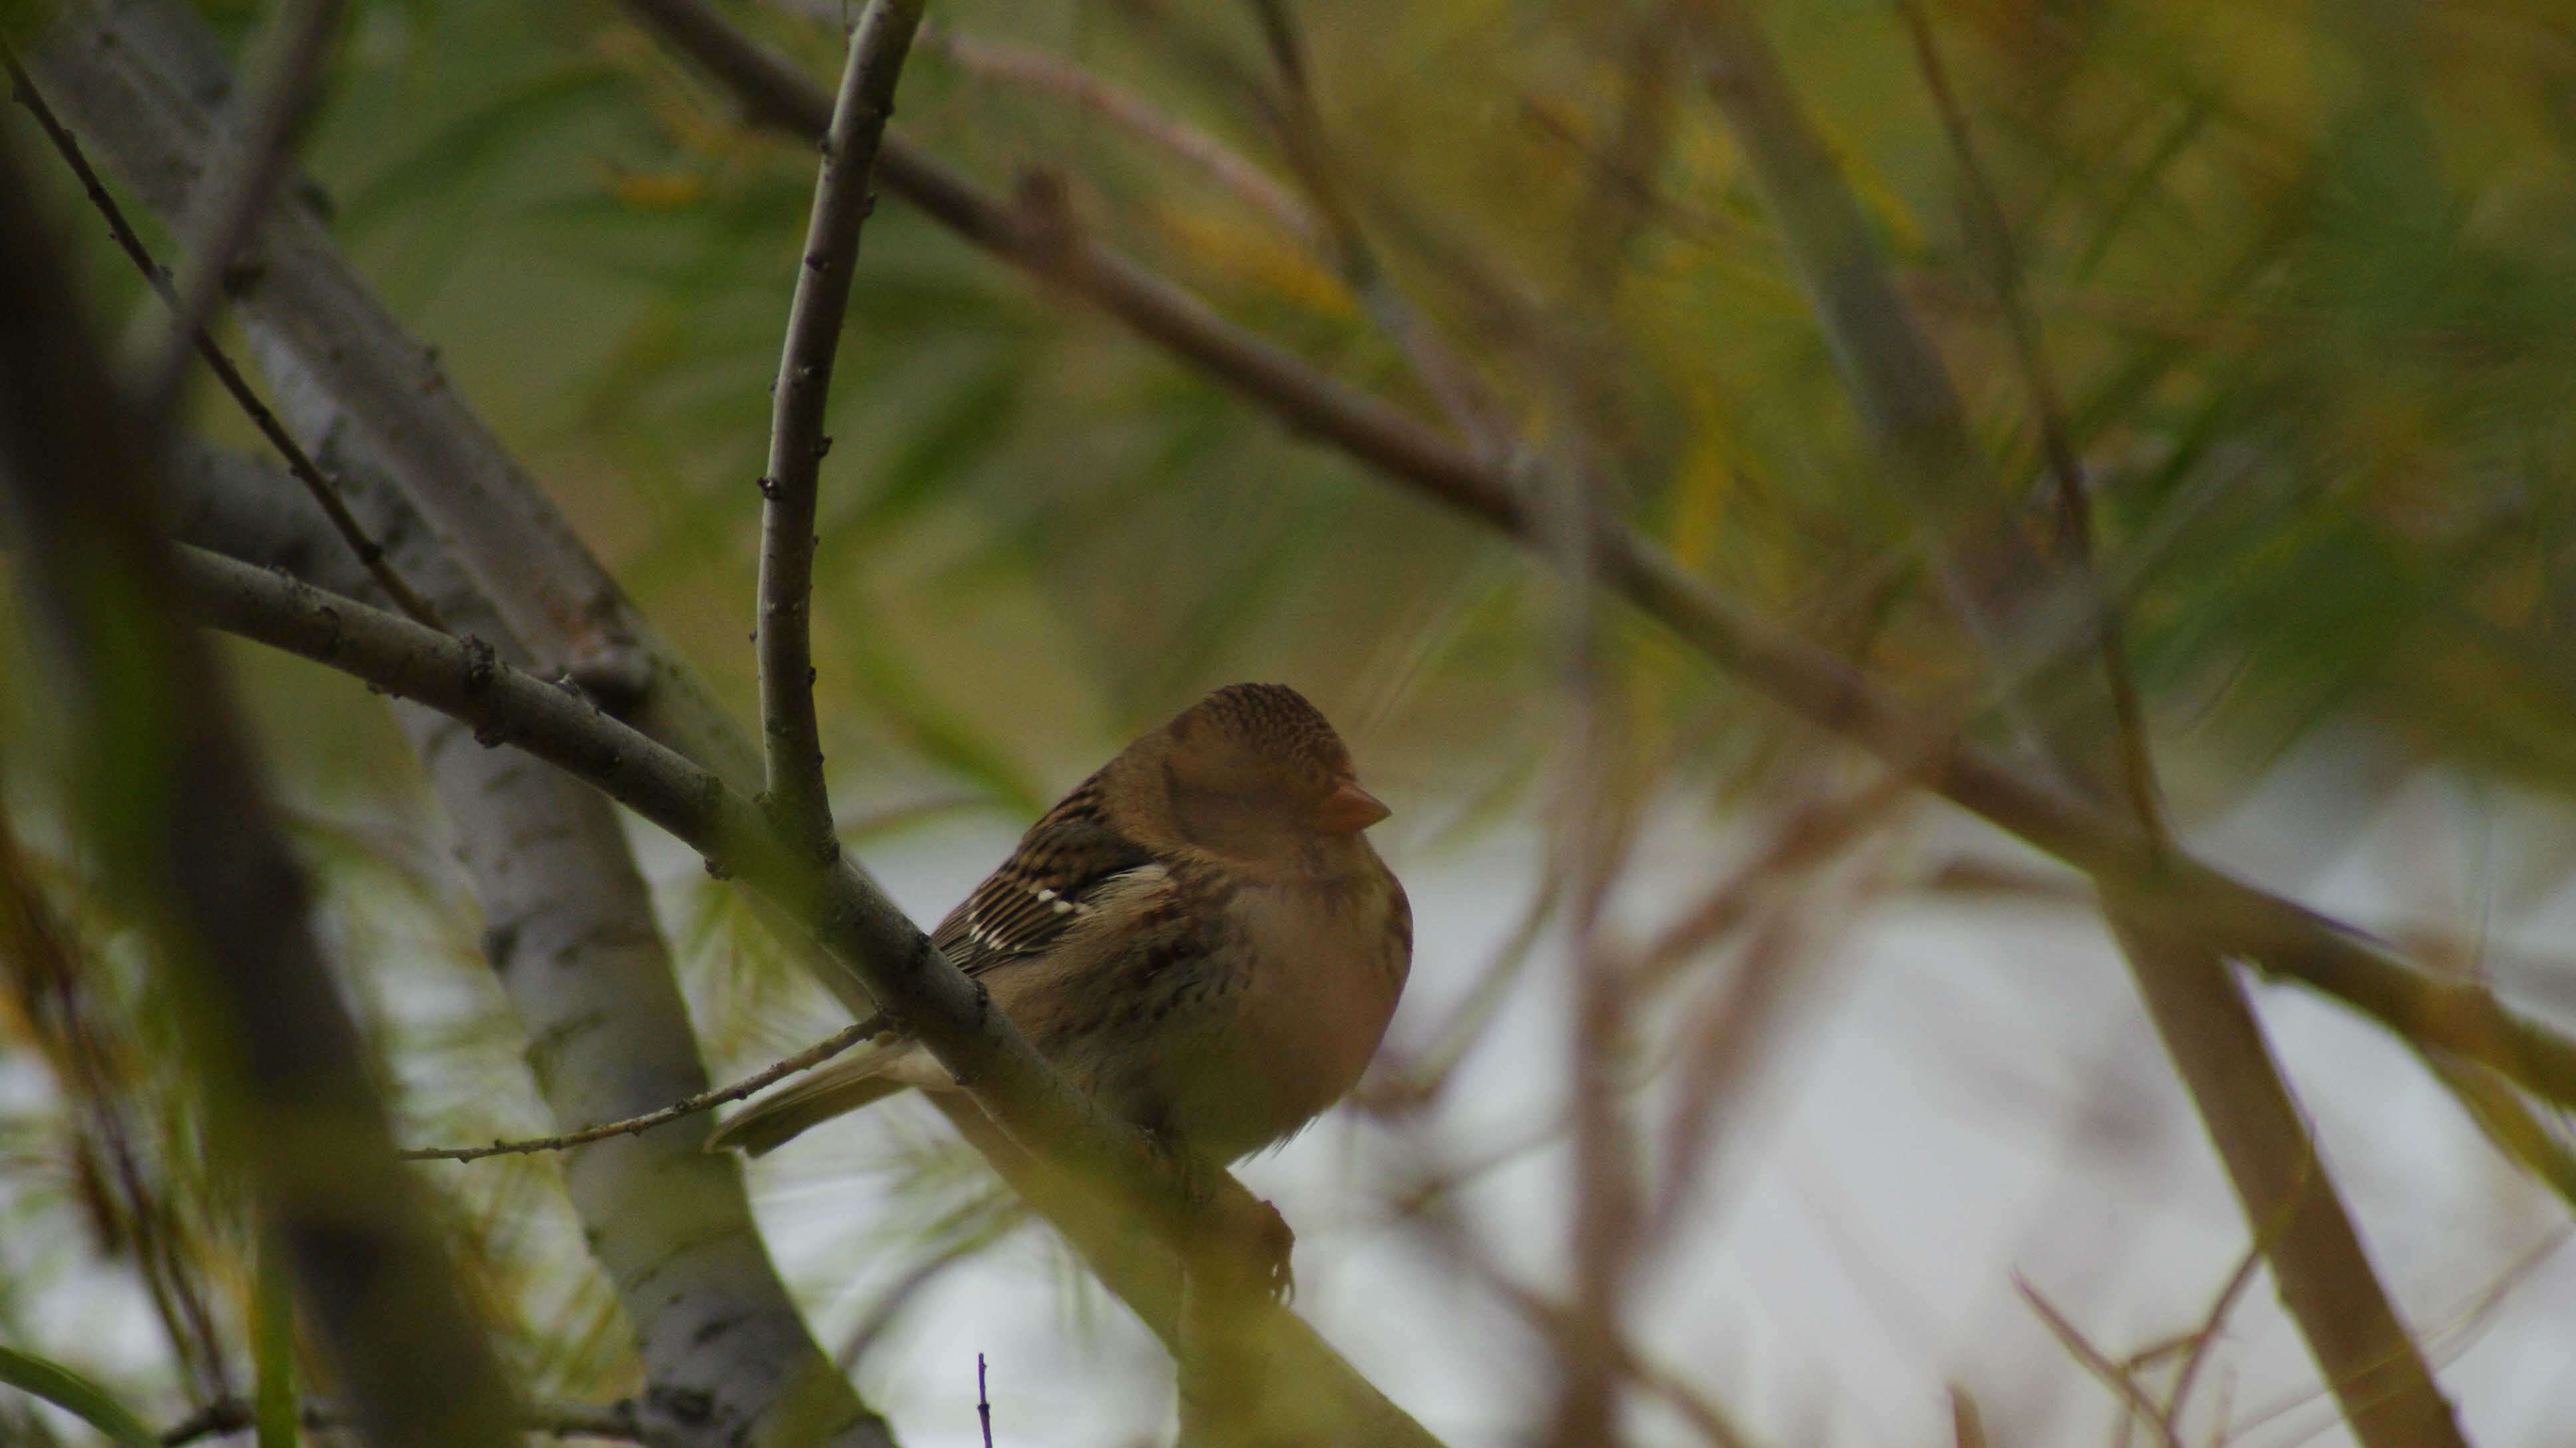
(805, 1060)
(784, 637)
(217, 361)
(995, 60)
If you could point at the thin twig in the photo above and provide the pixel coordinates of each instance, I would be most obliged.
(1461, 394)
(234, 193)
(615, 1423)
(983, 1402)
(2100, 1366)
(297, 461)
(1002, 61)
(805, 1060)
(2205, 1336)
(1801, 842)
(796, 796)
(2075, 507)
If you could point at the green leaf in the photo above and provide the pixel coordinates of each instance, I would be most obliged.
(75, 1394)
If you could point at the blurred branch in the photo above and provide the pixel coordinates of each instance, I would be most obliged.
(225, 1416)
(805, 1060)
(239, 188)
(1994, 576)
(570, 936)
(1228, 1240)
(184, 827)
(2122, 1384)
(2204, 1338)
(217, 360)
(133, 78)
(1988, 227)
(1462, 396)
(996, 60)
(796, 796)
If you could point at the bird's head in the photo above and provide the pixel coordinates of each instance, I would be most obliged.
(1254, 773)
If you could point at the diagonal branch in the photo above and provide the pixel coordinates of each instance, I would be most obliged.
(785, 635)
(217, 361)
(1988, 226)
(1217, 1231)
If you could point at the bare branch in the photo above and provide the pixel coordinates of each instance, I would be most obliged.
(997, 60)
(571, 939)
(2122, 1384)
(2057, 445)
(217, 361)
(796, 794)
(805, 1060)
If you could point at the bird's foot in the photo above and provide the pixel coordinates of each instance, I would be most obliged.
(1245, 1232)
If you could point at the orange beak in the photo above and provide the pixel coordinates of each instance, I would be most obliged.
(1349, 810)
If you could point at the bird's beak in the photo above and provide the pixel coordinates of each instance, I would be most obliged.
(1349, 810)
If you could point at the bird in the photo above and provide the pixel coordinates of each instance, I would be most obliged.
(1199, 935)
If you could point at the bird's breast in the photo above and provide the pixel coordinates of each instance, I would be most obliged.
(1321, 968)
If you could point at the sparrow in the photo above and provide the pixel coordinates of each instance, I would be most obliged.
(1199, 936)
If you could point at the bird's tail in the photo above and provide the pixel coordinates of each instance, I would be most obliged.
(775, 1119)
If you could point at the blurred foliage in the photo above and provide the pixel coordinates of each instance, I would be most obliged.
(2306, 285)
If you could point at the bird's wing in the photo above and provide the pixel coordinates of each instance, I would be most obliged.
(1054, 879)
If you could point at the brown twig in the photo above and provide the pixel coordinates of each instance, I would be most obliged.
(217, 361)
(784, 639)
(40, 958)
(2121, 1384)
(2075, 508)
(1002, 61)
(234, 194)
(2205, 1337)
(805, 1060)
